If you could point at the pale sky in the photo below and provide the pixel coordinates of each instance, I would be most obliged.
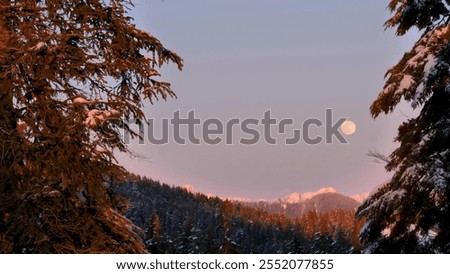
(296, 58)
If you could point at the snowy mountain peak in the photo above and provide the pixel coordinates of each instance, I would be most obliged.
(238, 199)
(190, 188)
(297, 197)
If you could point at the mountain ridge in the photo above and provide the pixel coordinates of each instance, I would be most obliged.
(297, 204)
(174, 220)
(299, 197)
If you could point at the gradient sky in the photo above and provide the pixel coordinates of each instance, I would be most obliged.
(297, 58)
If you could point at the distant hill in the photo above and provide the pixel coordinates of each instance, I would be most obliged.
(298, 197)
(298, 204)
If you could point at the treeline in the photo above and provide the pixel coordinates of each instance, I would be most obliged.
(176, 221)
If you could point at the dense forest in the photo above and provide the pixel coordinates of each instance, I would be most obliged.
(174, 220)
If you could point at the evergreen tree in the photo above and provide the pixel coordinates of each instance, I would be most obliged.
(411, 213)
(154, 235)
(70, 69)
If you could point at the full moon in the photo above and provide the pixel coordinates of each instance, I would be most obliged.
(348, 127)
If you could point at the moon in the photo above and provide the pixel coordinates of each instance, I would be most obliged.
(348, 127)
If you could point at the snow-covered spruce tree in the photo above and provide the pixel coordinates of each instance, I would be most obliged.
(69, 69)
(411, 213)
